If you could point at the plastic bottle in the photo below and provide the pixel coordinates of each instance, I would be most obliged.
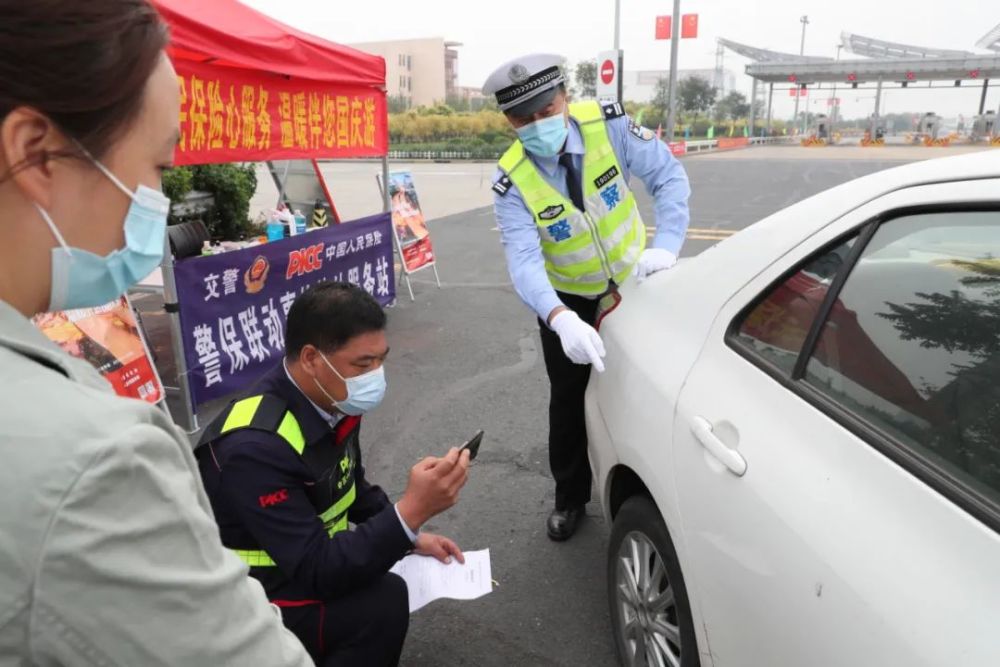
(288, 220)
(275, 229)
(300, 222)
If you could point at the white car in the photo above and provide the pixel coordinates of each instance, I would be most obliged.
(797, 438)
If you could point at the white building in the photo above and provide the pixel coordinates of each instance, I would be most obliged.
(424, 72)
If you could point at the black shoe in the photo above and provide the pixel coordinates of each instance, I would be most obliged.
(563, 523)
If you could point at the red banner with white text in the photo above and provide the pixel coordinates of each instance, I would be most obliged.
(232, 115)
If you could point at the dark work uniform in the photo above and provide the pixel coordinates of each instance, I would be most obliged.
(335, 592)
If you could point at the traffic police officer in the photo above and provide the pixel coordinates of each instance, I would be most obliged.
(283, 471)
(572, 234)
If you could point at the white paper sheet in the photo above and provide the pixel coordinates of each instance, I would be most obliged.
(429, 579)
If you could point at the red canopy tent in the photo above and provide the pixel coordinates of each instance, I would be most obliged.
(255, 89)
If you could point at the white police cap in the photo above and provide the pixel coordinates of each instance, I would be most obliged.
(526, 84)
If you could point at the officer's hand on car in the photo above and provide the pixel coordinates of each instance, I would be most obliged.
(653, 260)
(433, 487)
(580, 342)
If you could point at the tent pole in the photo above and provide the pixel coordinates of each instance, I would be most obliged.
(189, 419)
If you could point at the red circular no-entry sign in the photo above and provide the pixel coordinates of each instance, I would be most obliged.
(607, 72)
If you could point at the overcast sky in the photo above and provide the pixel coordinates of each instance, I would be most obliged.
(493, 32)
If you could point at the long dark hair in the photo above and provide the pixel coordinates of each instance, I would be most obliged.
(83, 63)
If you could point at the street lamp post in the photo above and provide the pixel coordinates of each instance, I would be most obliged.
(618, 24)
(834, 104)
(802, 50)
(675, 37)
(619, 57)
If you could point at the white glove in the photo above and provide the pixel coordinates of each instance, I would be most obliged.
(651, 261)
(581, 343)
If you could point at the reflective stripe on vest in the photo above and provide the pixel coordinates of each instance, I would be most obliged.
(583, 249)
(334, 519)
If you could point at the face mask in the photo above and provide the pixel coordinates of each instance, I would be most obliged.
(81, 279)
(545, 137)
(364, 392)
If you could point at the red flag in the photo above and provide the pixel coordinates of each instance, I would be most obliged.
(663, 27)
(689, 26)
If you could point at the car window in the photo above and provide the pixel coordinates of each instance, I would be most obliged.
(912, 343)
(777, 327)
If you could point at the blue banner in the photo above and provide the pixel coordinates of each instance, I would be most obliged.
(233, 305)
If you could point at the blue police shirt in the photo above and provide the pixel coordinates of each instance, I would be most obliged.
(639, 153)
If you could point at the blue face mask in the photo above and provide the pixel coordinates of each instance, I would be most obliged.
(81, 279)
(364, 392)
(545, 137)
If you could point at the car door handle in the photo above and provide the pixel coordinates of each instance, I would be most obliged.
(726, 455)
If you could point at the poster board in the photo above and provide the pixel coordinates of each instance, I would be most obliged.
(109, 339)
(408, 224)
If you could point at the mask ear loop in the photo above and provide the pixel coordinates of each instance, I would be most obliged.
(332, 400)
(107, 172)
(52, 227)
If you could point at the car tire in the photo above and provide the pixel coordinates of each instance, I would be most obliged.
(650, 613)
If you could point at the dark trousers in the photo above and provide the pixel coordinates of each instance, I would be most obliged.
(567, 427)
(366, 627)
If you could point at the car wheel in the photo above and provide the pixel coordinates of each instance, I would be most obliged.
(650, 614)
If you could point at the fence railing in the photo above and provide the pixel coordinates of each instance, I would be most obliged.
(699, 146)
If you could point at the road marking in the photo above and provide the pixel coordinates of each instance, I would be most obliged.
(702, 234)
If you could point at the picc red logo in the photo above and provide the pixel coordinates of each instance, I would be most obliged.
(271, 499)
(305, 261)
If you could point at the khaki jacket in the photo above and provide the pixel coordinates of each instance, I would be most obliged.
(109, 554)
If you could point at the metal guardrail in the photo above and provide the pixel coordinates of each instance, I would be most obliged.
(699, 146)
(444, 155)
(703, 145)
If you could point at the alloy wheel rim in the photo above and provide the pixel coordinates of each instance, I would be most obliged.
(647, 607)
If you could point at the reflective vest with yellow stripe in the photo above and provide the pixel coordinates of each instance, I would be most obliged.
(332, 466)
(583, 249)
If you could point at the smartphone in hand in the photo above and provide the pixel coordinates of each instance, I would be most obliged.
(473, 445)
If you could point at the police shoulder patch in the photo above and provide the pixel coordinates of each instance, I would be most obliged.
(640, 132)
(552, 212)
(502, 186)
(614, 110)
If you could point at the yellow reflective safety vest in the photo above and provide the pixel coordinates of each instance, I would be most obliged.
(332, 467)
(583, 250)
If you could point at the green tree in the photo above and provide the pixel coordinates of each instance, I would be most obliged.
(398, 103)
(656, 112)
(177, 182)
(733, 106)
(696, 95)
(585, 78)
(458, 102)
(232, 186)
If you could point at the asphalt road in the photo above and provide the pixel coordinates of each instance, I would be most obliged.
(466, 357)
